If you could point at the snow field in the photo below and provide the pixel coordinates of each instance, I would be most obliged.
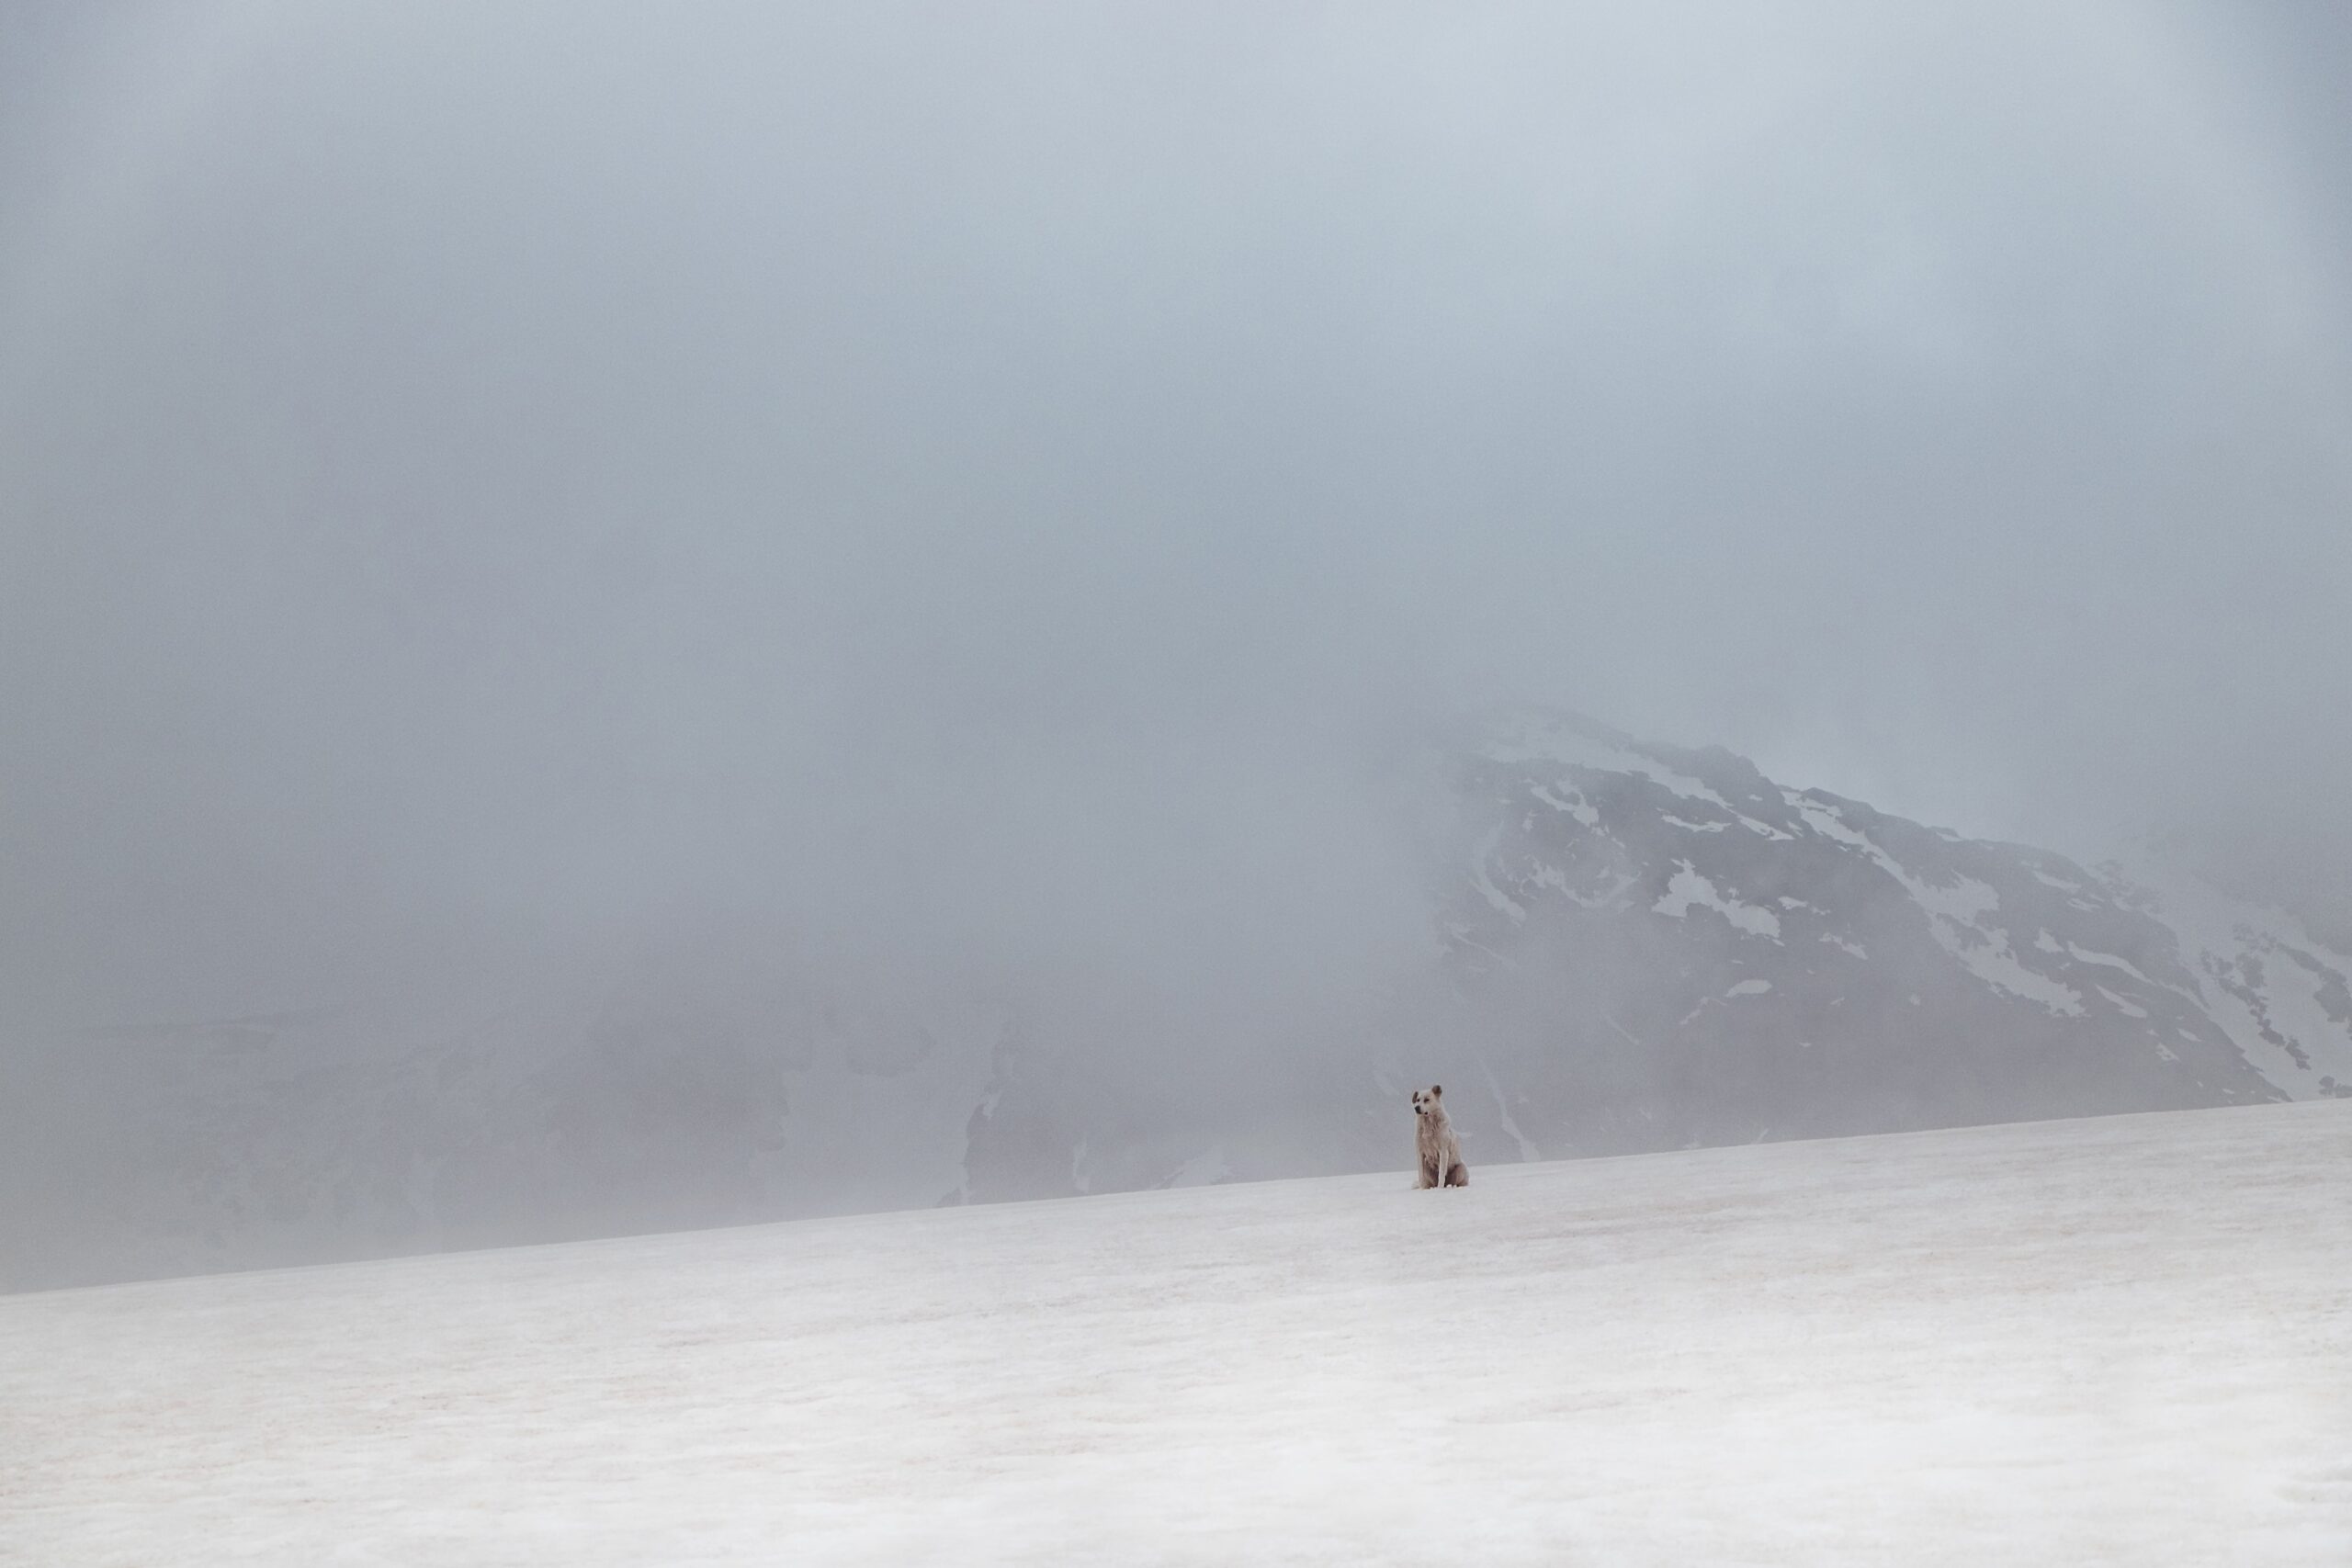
(2125, 1340)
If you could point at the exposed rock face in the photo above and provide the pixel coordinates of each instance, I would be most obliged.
(1688, 953)
(1634, 947)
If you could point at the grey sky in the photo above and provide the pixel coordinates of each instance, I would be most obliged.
(958, 470)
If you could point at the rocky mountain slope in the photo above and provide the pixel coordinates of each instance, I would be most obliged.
(1633, 947)
(1700, 953)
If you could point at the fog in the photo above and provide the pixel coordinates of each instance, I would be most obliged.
(998, 489)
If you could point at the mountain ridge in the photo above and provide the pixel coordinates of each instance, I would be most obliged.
(1632, 947)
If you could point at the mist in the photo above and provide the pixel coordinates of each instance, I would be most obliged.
(1003, 495)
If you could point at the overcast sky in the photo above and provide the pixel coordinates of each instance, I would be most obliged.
(500, 467)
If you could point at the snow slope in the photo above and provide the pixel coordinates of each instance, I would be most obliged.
(2123, 1340)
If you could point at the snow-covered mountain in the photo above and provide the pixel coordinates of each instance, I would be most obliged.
(1633, 947)
(1774, 962)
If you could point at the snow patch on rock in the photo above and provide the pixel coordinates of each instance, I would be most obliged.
(1687, 890)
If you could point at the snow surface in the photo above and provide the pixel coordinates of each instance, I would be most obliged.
(1690, 887)
(2130, 1009)
(2125, 1340)
(1573, 803)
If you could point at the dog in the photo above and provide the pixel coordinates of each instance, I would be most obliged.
(1434, 1139)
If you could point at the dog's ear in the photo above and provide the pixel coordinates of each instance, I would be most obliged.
(1435, 1092)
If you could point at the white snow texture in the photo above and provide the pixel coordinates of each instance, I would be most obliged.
(2113, 1341)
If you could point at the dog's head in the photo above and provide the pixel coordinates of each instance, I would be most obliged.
(1426, 1101)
